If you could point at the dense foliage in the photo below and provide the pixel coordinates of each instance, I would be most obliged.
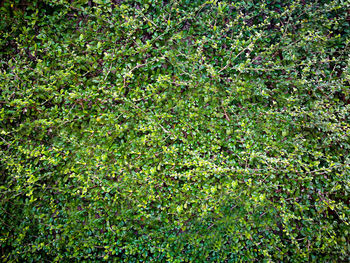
(179, 131)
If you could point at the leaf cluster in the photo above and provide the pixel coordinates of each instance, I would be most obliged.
(174, 131)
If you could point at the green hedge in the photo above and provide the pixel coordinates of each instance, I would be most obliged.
(174, 131)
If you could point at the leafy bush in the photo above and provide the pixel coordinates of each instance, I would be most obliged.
(178, 131)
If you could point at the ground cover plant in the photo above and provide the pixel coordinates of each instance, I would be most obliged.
(174, 131)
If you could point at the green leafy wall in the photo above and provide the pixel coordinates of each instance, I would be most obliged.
(174, 131)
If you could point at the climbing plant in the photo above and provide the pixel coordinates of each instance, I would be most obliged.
(174, 131)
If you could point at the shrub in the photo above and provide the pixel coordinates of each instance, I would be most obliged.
(177, 131)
